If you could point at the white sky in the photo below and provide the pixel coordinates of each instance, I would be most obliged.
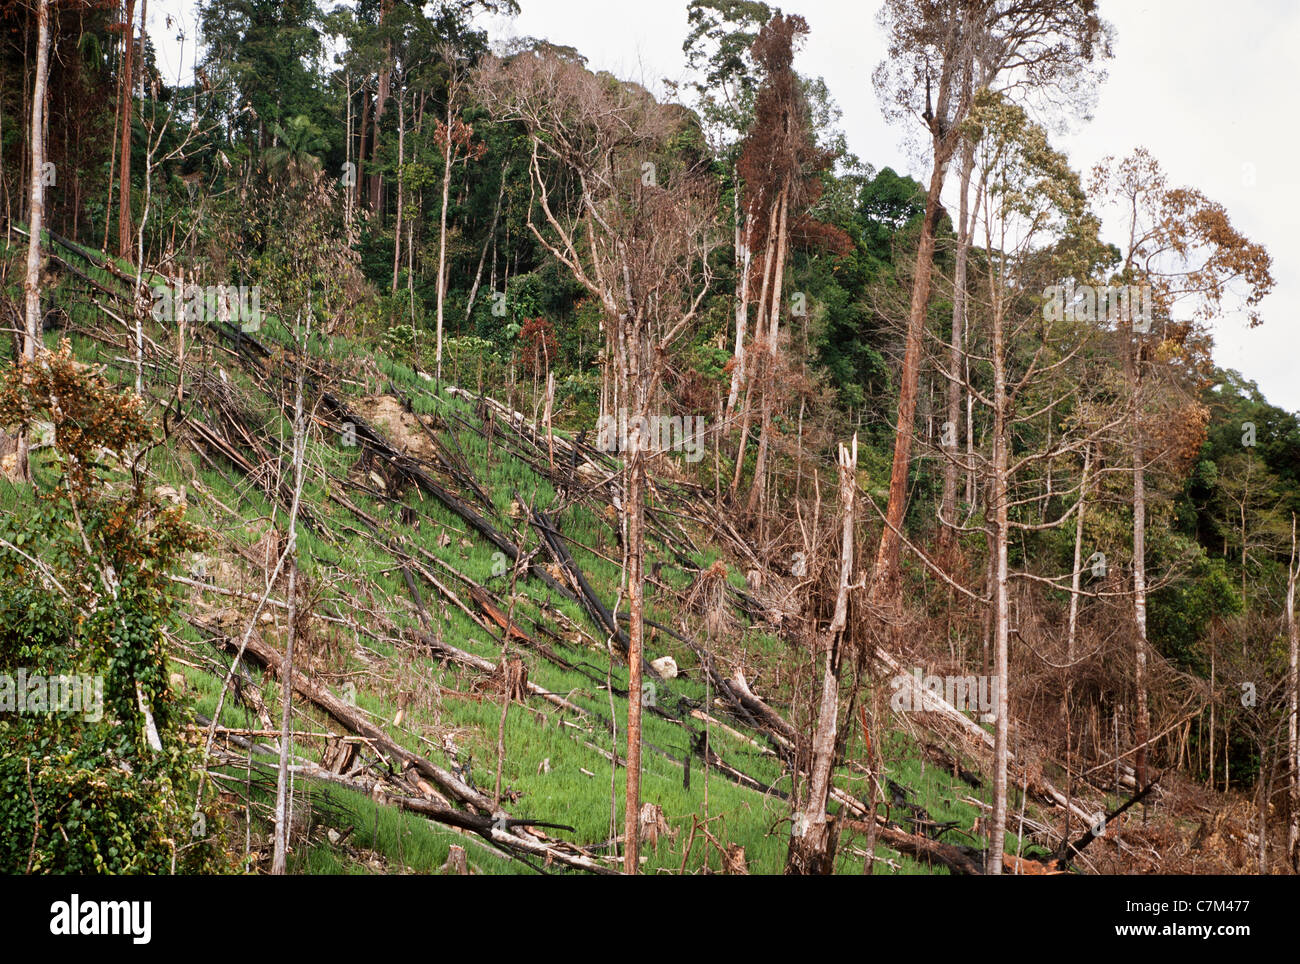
(1207, 87)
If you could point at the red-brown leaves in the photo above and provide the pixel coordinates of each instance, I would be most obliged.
(88, 414)
(780, 150)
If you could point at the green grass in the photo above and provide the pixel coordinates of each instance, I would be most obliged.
(556, 767)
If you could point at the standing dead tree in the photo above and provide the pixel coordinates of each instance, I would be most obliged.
(298, 454)
(780, 166)
(1038, 380)
(813, 837)
(939, 47)
(637, 233)
(1184, 255)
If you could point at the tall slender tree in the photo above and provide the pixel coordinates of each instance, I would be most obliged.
(638, 237)
(780, 166)
(1183, 247)
(125, 234)
(935, 48)
(1035, 225)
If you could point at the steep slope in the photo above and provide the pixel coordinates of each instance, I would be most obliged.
(433, 520)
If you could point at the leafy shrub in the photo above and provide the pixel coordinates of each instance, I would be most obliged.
(85, 590)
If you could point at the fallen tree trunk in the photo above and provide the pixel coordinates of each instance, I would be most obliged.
(959, 859)
(352, 718)
(1098, 827)
(408, 468)
(587, 595)
(495, 829)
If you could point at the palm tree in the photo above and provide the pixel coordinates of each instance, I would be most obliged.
(294, 155)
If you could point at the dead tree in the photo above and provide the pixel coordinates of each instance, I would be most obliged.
(937, 47)
(813, 837)
(638, 237)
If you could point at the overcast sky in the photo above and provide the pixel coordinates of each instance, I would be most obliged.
(1209, 88)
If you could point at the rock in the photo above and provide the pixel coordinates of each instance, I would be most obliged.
(165, 493)
(665, 666)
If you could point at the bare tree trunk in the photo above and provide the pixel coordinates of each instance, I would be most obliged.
(812, 839)
(1214, 699)
(1142, 714)
(364, 128)
(636, 376)
(635, 587)
(36, 215)
(743, 259)
(747, 409)
(491, 238)
(282, 802)
(150, 147)
(1072, 629)
(1293, 706)
(970, 429)
(283, 816)
(999, 496)
(36, 218)
(1073, 624)
(348, 166)
(382, 90)
(758, 490)
(442, 236)
(401, 187)
(125, 243)
(885, 585)
(112, 169)
(778, 274)
(948, 502)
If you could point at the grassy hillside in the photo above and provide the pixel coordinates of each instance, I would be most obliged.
(397, 592)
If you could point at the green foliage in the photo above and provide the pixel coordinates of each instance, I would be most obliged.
(265, 54)
(297, 145)
(722, 33)
(1180, 613)
(85, 592)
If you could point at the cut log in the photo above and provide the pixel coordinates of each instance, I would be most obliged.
(457, 864)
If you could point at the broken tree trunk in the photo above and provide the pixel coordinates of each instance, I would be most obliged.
(813, 837)
(486, 822)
